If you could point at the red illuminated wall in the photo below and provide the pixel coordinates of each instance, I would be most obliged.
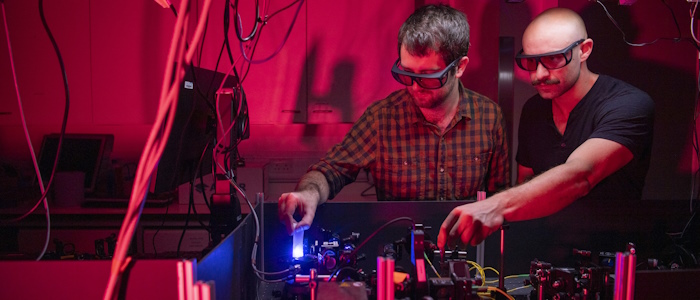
(334, 63)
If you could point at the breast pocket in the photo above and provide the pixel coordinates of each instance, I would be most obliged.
(469, 174)
(406, 178)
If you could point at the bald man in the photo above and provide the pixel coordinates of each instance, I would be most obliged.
(584, 139)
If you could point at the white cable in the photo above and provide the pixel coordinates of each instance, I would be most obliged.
(19, 101)
(692, 20)
(27, 137)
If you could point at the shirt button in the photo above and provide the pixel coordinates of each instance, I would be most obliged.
(563, 145)
(442, 198)
(405, 163)
(442, 170)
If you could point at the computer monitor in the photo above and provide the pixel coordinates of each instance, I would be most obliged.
(87, 153)
(194, 129)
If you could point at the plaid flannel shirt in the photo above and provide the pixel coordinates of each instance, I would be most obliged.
(409, 159)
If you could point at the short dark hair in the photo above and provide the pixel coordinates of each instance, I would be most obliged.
(438, 28)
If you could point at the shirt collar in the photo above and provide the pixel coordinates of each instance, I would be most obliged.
(465, 107)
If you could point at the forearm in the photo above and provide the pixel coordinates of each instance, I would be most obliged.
(545, 194)
(315, 184)
(555, 189)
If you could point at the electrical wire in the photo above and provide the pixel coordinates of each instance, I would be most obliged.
(425, 255)
(201, 44)
(696, 145)
(692, 22)
(279, 11)
(157, 139)
(354, 252)
(162, 223)
(19, 101)
(190, 206)
(254, 46)
(238, 27)
(242, 108)
(187, 219)
(192, 68)
(624, 36)
(518, 288)
(198, 175)
(253, 256)
(499, 291)
(44, 190)
(252, 53)
(337, 271)
(286, 37)
(479, 269)
(63, 123)
(694, 192)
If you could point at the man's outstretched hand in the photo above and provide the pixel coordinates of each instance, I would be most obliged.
(471, 223)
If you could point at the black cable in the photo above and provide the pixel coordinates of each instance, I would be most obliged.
(365, 192)
(279, 11)
(162, 223)
(65, 88)
(354, 252)
(624, 36)
(675, 20)
(190, 206)
(236, 21)
(330, 278)
(226, 28)
(197, 175)
(695, 192)
(201, 43)
(172, 7)
(216, 66)
(201, 179)
(284, 41)
(187, 221)
(255, 46)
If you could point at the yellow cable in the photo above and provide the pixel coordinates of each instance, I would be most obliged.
(431, 265)
(481, 271)
(492, 269)
(519, 275)
(518, 288)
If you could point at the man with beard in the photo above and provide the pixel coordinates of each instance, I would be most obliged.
(586, 138)
(433, 140)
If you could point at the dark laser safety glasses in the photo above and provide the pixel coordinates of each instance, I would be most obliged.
(549, 60)
(426, 81)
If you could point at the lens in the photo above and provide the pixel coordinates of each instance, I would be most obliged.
(529, 64)
(429, 83)
(403, 79)
(553, 61)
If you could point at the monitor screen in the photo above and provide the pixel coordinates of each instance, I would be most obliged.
(79, 152)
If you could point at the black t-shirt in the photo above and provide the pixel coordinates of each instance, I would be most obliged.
(603, 219)
(612, 110)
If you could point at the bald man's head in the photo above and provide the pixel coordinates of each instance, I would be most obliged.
(557, 27)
